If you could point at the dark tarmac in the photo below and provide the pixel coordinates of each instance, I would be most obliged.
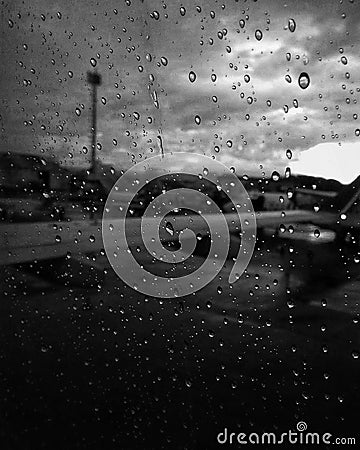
(106, 367)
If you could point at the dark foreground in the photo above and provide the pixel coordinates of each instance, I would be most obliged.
(105, 367)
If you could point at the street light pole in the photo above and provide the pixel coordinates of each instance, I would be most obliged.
(94, 79)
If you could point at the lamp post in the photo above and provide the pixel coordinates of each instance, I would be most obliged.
(94, 79)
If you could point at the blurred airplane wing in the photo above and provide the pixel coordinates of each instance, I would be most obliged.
(25, 242)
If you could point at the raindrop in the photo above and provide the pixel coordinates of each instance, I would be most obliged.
(292, 25)
(304, 80)
(169, 228)
(192, 76)
(229, 143)
(197, 120)
(182, 11)
(344, 60)
(288, 78)
(93, 62)
(242, 23)
(258, 35)
(164, 61)
(288, 153)
(275, 176)
(155, 15)
(78, 111)
(213, 77)
(357, 132)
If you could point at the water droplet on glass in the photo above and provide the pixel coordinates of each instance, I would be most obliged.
(197, 120)
(304, 80)
(192, 76)
(292, 25)
(164, 61)
(169, 228)
(155, 15)
(93, 62)
(275, 176)
(258, 35)
(242, 23)
(182, 11)
(344, 60)
(288, 153)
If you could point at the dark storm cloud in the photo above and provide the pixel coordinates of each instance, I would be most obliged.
(146, 50)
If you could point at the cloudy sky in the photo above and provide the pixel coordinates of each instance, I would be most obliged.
(218, 78)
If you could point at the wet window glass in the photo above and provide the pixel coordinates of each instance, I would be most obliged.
(179, 223)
